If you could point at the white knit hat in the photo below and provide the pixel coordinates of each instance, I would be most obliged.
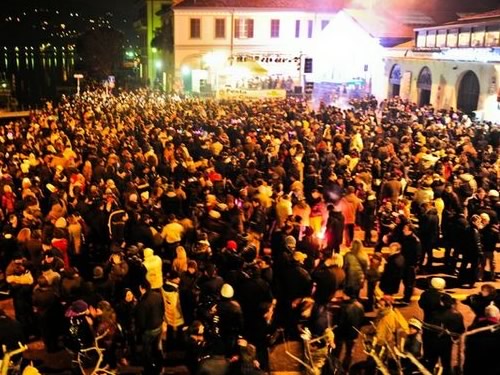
(438, 283)
(492, 311)
(227, 291)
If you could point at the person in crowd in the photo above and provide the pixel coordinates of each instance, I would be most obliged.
(428, 233)
(373, 275)
(489, 240)
(125, 315)
(149, 314)
(393, 271)
(478, 302)
(11, 333)
(481, 343)
(443, 321)
(355, 266)
(49, 313)
(334, 232)
(390, 323)
(411, 250)
(141, 173)
(348, 324)
(412, 345)
(473, 253)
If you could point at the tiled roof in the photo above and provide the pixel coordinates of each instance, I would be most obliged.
(305, 5)
(481, 16)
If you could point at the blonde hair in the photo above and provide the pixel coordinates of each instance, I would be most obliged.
(180, 263)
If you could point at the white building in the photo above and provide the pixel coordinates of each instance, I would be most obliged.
(220, 43)
(453, 65)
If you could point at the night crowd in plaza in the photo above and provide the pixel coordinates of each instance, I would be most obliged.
(218, 228)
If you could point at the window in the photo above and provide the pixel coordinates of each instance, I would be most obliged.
(478, 34)
(464, 37)
(297, 28)
(243, 28)
(441, 38)
(421, 38)
(220, 28)
(492, 36)
(324, 23)
(195, 28)
(309, 29)
(275, 28)
(452, 38)
(431, 39)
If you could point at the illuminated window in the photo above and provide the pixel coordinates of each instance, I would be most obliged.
(492, 36)
(275, 28)
(243, 28)
(421, 39)
(220, 28)
(430, 40)
(195, 28)
(297, 28)
(441, 38)
(478, 34)
(452, 38)
(310, 29)
(464, 38)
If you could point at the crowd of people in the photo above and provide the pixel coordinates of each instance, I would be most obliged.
(163, 223)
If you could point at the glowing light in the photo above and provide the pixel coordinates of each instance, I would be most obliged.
(321, 234)
(345, 34)
(185, 70)
(158, 64)
(154, 49)
(215, 59)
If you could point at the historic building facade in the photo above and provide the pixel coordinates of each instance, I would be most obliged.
(453, 65)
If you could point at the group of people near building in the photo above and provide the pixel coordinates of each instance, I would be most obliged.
(217, 228)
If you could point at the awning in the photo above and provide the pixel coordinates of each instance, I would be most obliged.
(253, 67)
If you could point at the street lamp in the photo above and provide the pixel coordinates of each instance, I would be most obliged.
(78, 77)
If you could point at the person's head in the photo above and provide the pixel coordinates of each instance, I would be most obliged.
(481, 193)
(290, 242)
(227, 291)
(476, 221)
(43, 282)
(487, 290)
(128, 295)
(438, 283)
(144, 286)
(407, 229)
(415, 326)
(491, 311)
(394, 247)
(196, 330)
(192, 267)
(180, 252)
(356, 246)
(485, 218)
(386, 301)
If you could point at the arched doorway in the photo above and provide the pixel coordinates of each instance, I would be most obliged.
(468, 92)
(424, 85)
(395, 81)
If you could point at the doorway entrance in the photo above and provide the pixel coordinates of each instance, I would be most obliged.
(424, 85)
(395, 81)
(468, 93)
